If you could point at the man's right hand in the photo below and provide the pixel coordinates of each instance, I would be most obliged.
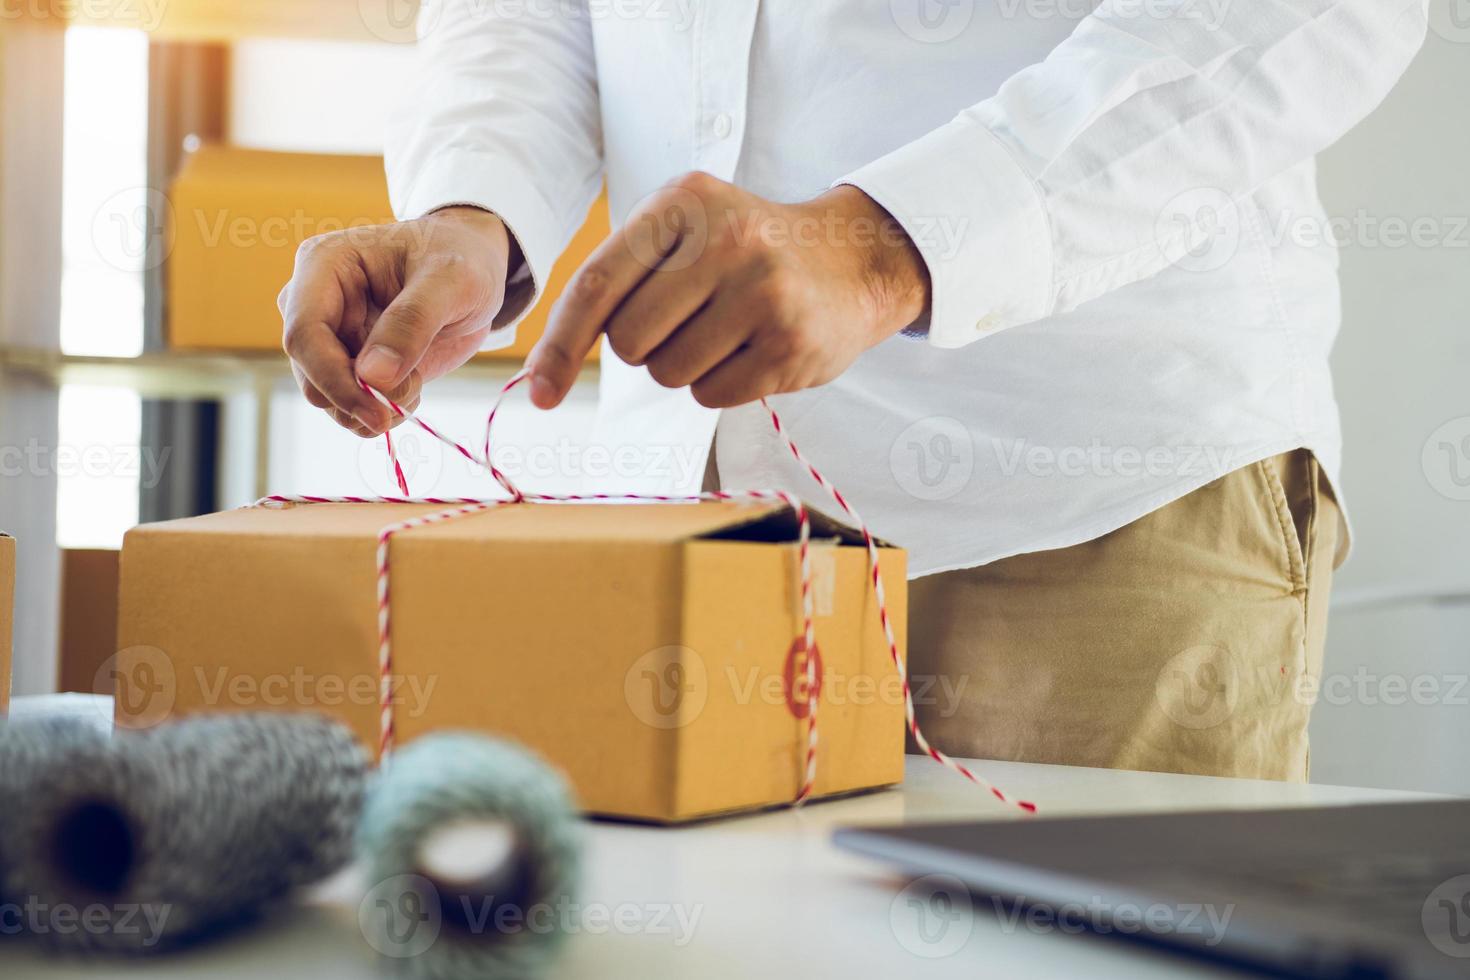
(395, 305)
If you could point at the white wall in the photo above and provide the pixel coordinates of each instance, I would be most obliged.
(1402, 367)
(314, 96)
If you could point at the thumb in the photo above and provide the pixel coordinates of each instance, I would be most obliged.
(398, 341)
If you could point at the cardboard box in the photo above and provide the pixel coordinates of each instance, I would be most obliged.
(7, 615)
(238, 216)
(88, 619)
(650, 651)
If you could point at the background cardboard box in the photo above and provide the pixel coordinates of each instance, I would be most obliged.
(238, 216)
(88, 618)
(647, 650)
(7, 614)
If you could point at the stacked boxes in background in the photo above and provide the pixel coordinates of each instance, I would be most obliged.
(652, 652)
(237, 217)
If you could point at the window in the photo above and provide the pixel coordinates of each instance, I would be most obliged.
(107, 209)
(106, 212)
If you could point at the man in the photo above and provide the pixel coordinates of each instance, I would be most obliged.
(1013, 273)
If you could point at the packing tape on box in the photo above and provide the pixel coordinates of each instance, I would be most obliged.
(475, 843)
(160, 836)
(462, 507)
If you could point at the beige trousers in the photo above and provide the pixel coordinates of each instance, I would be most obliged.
(1188, 641)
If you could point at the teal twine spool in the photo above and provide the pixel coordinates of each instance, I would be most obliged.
(472, 849)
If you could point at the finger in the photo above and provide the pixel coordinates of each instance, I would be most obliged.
(611, 272)
(398, 340)
(319, 354)
(312, 311)
(349, 423)
(407, 397)
(352, 325)
(748, 375)
(357, 308)
(702, 343)
(658, 306)
(313, 397)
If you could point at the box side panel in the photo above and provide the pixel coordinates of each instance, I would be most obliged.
(746, 746)
(238, 218)
(88, 616)
(247, 623)
(7, 615)
(556, 644)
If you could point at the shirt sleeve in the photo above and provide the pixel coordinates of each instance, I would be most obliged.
(1113, 157)
(502, 113)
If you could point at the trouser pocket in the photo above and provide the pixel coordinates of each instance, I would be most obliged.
(1289, 482)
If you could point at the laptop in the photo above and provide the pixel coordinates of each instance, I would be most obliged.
(1379, 890)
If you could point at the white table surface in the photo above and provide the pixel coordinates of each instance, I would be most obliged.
(768, 895)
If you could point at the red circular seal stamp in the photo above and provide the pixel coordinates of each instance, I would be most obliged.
(799, 693)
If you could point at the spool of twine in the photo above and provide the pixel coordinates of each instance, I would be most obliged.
(28, 749)
(472, 848)
(162, 836)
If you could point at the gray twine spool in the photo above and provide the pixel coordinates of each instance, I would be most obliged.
(472, 849)
(178, 830)
(27, 749)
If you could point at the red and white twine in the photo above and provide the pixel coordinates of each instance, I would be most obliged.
(457, 507)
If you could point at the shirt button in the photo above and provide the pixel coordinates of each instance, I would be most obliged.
(723, 126)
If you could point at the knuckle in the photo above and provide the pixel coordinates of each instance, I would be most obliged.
(408, 319)
(696, 182)
(318, 245)
(779, 344)
(726, 236)
(786, 345)
(666, 373)
(291, 338)
(446, 262)
(589, 287)
(551, 351)
(623, 344)
(706, 395)
(767, 295)
(803, 344)
(769, 269)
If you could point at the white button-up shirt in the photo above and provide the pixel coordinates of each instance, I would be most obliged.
(1111, 202)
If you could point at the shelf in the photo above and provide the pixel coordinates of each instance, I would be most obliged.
(201, 375)
(187, 374)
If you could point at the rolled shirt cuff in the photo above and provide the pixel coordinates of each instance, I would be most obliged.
(977, 219)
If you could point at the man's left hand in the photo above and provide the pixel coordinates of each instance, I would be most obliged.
(734, 296)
